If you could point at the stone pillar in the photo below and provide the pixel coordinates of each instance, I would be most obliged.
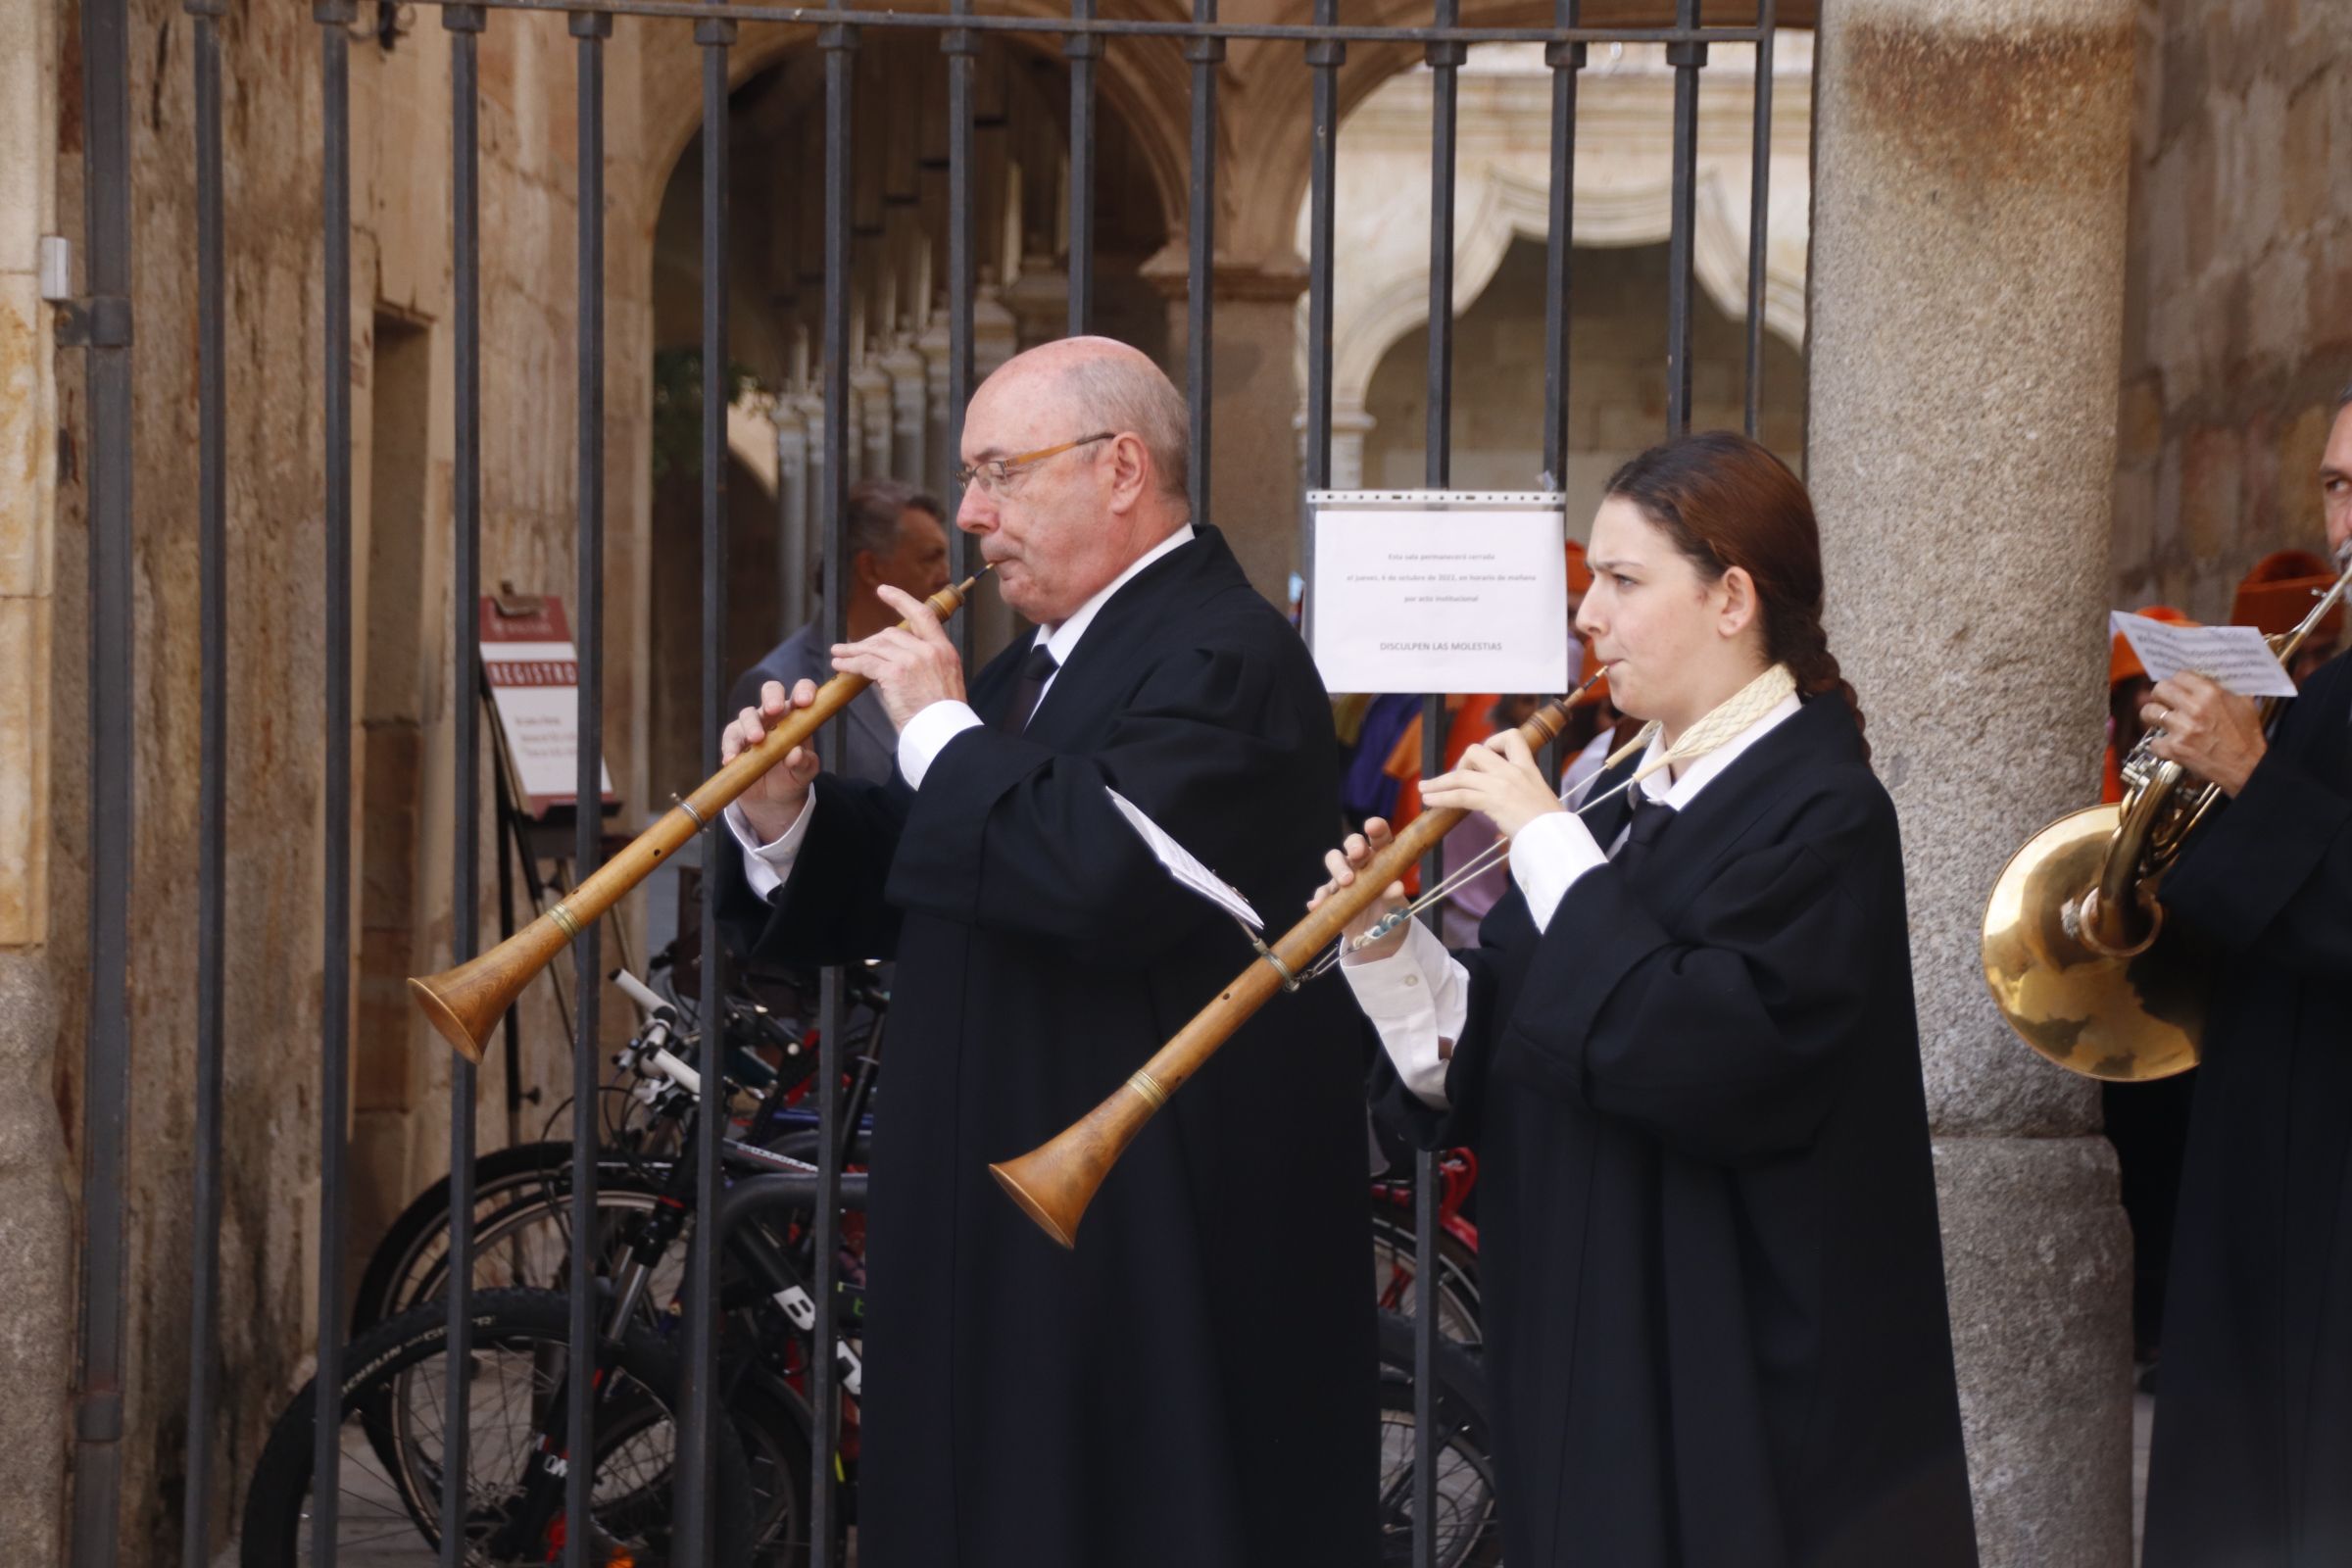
(869, 389)
(37, 1224)
(938, 460)
(811, 408)
(1962, 457)
(793, 594)
(1040, 300)
(1253, 395)
(1350, 426)
(908, 389)
(995, 337)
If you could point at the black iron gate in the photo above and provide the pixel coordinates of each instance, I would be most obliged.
(1083, 39)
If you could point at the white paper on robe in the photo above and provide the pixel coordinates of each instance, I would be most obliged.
(2237, 658)
(1183, 866)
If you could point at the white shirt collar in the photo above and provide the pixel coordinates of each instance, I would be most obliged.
(1060, 640)
(1679, 792)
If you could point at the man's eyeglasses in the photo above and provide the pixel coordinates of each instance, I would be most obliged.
(996, 473)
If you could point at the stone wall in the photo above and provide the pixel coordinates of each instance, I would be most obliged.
(2238, 307)
(35, 1240)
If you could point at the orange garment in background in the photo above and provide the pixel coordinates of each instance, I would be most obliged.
(1472, 722)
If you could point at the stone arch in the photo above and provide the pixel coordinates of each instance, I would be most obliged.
(1271, 101)
(1143, 81)
(1623, 197)
(1505, 206)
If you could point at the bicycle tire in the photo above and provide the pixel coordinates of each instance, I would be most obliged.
(539, 1321)
(1469, 1533)
(399, 1272)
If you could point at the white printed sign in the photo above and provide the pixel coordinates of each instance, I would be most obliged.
(2238, 659)
(1450, 599)
(533, 672)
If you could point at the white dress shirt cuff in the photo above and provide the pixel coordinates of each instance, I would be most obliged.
(1416, 997)
(1547, 856)
(768, 865)
(927, 734)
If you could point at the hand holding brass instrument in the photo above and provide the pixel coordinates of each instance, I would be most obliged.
(465, 1003)
(1054, 1182)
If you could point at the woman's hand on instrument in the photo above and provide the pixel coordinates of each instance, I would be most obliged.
(2214, 733)
(1343, 863)
(913, 665)
(775, 801)
(1500, 778)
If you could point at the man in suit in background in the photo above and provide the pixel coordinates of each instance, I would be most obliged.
(895, 539)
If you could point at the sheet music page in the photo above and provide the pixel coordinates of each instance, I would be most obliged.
(2238, 659)
(1183, 866)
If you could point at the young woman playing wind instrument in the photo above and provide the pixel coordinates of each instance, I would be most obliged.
(1686, 1053)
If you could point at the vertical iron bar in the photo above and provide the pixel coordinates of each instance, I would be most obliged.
(1082, 50)
(698, 1502)
(1444, 62)
(839, 46)
(212, 808)
(98, 1397)
(1759, 225)
(588, 817)
(1565, 61)
(1206, 55)
(336, 18)
(1324, 57)
(463, 25)
(1686, 59)
(962, 48)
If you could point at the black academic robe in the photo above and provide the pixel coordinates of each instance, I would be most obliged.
(1195, 1385)
(1710, 1275)
(2251, 1462)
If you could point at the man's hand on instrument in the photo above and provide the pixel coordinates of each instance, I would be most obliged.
(913, 665)
(1500, 778)
(1343, 863)
(775, 801)
(2215, 734)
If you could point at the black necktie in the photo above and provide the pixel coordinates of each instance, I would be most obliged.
(1650, 818)
(1037, 670)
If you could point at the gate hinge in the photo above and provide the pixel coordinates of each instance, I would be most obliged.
(102, 322)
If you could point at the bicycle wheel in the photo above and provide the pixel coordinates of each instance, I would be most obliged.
(388, 1510)
(1468, 1526)
(522, 1232)
(1393, 1273)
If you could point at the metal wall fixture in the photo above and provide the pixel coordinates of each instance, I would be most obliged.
(101, 328)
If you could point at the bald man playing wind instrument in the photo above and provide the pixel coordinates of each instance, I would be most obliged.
(1194, 1385)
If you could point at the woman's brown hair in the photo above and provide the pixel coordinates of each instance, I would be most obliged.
(1727, 502)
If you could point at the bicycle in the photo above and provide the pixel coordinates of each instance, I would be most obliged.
(390, 1402)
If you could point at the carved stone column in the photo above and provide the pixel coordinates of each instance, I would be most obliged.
(793, 592)
(869, 389)
(909, 387)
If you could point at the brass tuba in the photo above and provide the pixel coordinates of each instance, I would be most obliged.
(2076, 947)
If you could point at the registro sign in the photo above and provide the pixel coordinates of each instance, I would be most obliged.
(533, 673)
(1438, 591)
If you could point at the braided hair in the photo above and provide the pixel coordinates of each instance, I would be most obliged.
(1727, 502)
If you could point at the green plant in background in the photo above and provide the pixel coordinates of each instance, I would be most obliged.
(678, 410)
